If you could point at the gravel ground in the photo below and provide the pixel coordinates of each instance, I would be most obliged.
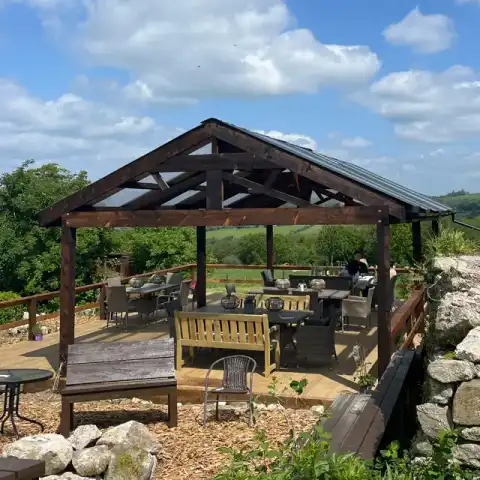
(188, 451)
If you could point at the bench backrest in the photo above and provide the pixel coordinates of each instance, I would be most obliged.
(222, 330)
(102, 362)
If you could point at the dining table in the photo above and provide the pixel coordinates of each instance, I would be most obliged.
(151, 288)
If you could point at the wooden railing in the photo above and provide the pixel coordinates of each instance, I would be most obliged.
(409, 319)
(32, 301)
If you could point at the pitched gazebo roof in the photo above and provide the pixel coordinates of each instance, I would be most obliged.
(219, 166)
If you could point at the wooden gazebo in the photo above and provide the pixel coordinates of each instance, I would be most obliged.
(225, 175)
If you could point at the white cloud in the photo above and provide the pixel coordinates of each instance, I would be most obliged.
(187, 49)
(424, 33)
(296, 138)
(356, 142)
(72, 131)
(429, 106)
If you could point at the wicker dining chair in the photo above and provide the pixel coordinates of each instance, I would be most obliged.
(236, 370)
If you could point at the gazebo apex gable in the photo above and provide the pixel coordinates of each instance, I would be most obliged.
(263, 172)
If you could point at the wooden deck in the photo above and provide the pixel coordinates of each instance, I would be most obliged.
(325, 383)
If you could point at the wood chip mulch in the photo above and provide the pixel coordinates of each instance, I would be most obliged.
(189, 451)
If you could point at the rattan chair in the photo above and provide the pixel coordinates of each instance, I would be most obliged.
(236, 370)
(118, 303)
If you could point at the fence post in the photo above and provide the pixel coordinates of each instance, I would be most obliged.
(193, 272)
(101, 301)
(32, 318)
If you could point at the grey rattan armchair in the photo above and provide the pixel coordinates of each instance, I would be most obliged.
(236, 370)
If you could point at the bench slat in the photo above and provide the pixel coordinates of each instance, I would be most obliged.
(7, 475)
(82, 374)
(119, 386)
(82, 353)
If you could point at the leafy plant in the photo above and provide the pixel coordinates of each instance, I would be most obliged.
(449, 243)
(10, 314)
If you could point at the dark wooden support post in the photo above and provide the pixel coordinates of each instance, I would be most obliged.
(67, 290)
(32, 318)
(270, 248)
(101, 301)
(436, 227)
(201, 286)
(214, 190)
(417, 241)
(384, 295)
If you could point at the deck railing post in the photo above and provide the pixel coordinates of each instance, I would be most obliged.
(32, 318)
(102, 305)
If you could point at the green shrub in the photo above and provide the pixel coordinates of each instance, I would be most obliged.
(449, 243)
(10, 314)
(231, 260)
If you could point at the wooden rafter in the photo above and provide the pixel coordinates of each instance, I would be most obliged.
(215, 161)
(155, 199)
(301, 167)
(135, 170)
(261, 189)
(226, 217)
(158, 179)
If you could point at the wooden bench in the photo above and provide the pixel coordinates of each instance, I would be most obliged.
(13, 468)
(98, 371)
(364, 424)
(229, 331)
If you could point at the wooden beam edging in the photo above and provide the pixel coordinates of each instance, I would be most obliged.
(360, 215)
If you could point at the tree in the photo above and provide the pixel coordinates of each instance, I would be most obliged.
(30, 254)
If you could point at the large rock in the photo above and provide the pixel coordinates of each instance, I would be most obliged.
(84, 436)
(53, 449)
(466, 404)
(68, 476)
(472, 434)
(131, 434)
(433, 419)
(91, 461)
(469, 347)
(421, 446)
(451, 371)
(130, 463)
(468, 454)
(440, 393)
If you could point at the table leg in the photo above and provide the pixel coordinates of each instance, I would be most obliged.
(22, 417)
(5, 403)
(10, 391)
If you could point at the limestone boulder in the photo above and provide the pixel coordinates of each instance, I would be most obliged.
(467, 454)
(130, 434)
(84, 436)
(421, 446)
(451, 371)
(433, 419)
(457, 313)
(469, 347)
(51, 448)
(68, 476)
(466, 404)
(440, 393)
(91, 461)
(130, 463)
(472, 434)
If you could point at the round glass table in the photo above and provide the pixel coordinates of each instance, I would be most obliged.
(13, 379)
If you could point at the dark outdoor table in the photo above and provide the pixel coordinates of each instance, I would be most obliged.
(333, 294)
(150, 288)
(13, 468)
(13, 379)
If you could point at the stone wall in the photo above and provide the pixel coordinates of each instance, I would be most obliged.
(452, 342)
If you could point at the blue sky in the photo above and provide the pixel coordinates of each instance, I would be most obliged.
(393, 86)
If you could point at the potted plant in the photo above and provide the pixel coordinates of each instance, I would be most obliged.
(37, 333)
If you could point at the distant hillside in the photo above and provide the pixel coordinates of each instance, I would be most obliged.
(466, 204)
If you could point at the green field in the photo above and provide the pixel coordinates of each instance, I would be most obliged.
(284, 229)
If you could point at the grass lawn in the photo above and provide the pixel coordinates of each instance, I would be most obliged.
(284, 229)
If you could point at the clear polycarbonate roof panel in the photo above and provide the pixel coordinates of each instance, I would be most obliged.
(122, 197)
(353, 172)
